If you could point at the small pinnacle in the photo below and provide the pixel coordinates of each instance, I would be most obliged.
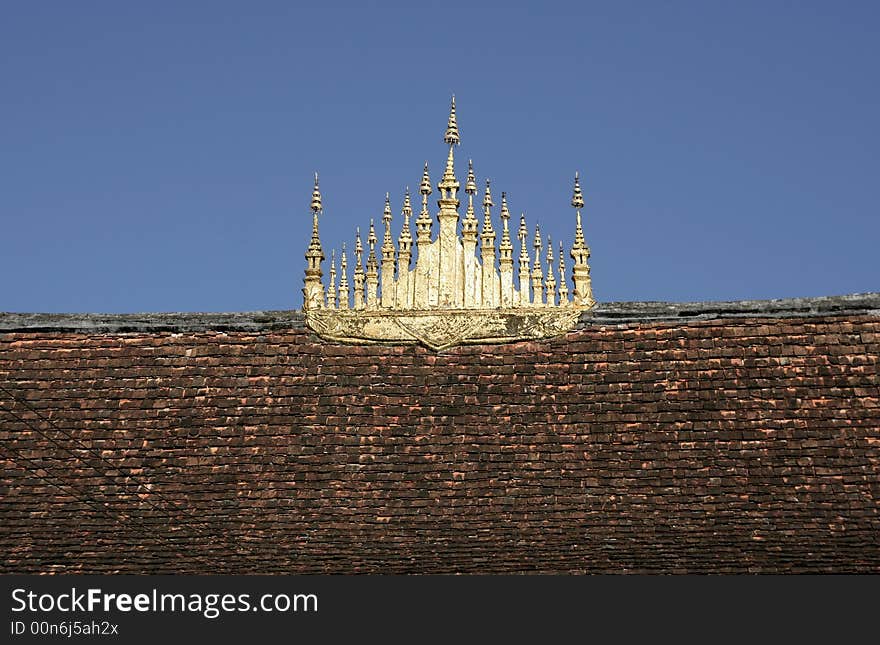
(487, 197)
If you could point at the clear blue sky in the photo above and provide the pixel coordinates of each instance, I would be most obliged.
(158, 156)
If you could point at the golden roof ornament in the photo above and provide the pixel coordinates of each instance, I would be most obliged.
(443, 292)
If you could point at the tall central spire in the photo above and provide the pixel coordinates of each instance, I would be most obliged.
(449, 184)
(448, 293)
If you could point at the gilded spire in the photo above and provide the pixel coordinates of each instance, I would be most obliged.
(387, 294)
(451, 136)
(580, 253)
(521, 235)
(563, 285)
(524, 298)
(470, 186)
(405, 239)
(448, 183)
(403, 285)
(488, 231)
(373, 270)
(372, 262)
(577, 199)
(469, 224)
(538, 287)
(331, 289)
(425, 188)
(343, 280)
(506, 248)
(423, 222)
(358, 270)
(490, 281)
(538, 245)
(387, 242)
(313, 290)
(316, 197)
(505, 212)
(358, 248)
(315, 243)
(550, 286)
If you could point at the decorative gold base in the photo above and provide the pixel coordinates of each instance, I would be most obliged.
(442, 329)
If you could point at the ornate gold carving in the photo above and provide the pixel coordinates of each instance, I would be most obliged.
(454, 294)
(441, 329)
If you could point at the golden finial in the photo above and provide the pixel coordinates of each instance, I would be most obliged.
(316, 198)
(470, 186)
(372, 280)
(577, 199)
(488, 235)
(509, 296)
(343, 280)
(469, 224)
(550, 285)
(358, 247)
(448, 183)
(523, 262)
(331, 289)
(488, 231)
(423, 221)
(563, 285)
(505, 218)
(371, 240)
(452, 137)
(405, 239)
(387, 243)
(580, 253)
(537, 274)
(386, 213)
(425, 188)
(487, 197)
(406, 211)
(315, 244)
(313, 289)
(537, 244)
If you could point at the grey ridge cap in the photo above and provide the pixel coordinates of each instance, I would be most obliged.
(618, 313)
(610, 313)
